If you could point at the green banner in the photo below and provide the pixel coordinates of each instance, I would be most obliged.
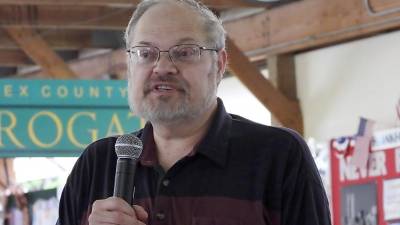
(61, 117)
(63, 92)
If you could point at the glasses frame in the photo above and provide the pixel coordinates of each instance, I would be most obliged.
(130, 51)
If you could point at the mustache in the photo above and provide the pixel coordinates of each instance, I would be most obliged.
(180, 84)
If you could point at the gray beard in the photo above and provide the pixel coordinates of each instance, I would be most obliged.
(163, 111)
(184, 110)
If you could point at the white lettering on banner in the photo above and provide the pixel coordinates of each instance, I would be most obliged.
(77, 92)
(109, 90)
(62, 91)
(23, 91)
(9, 91)
(347, 170)
(397, 160)
(376, 167)
(123, 91)
(94, 92)
(386, 139)
(45, 90)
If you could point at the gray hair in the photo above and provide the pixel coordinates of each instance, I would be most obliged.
(216, 34)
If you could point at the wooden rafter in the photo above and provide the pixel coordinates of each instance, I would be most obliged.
(282, 69)
(301, 26)
(63, 40)
(67, 17)
(383, 6)
(308, 24)
(7, 173)
(286, 111)
(282, 72)
(125, 3)
(38, 50)
(294, 27)
(14, 58)
(93, 67)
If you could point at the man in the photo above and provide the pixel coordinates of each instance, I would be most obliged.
(199, 164)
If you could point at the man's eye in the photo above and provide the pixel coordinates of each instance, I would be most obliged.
(144, 54)
(186, 52)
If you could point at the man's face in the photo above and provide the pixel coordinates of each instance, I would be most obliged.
(167, 91)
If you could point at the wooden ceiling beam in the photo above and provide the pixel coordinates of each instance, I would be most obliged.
(286, 111)
(94, 67)
(127, 3)
(282, 73)
(382, 6)
(299, 26)
(282, 69)
(120, 3)
(308, 24)
(56, 39)
(250, 33)
(64, 40)
(66, 17)
(7, 174)
(296, 27)
(38, 50)
(14, 58)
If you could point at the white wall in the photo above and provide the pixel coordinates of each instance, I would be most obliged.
(337, 85)
(239, 100)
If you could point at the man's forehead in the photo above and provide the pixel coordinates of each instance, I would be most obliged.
(185, 40)
(170, 7)
(169, 21)
(171, 15)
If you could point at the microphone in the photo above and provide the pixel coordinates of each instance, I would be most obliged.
(128, 148)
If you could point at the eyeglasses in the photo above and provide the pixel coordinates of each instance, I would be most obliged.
(185, 53)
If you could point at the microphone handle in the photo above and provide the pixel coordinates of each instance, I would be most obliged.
(124, 177)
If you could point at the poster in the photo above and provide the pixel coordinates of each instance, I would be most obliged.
(391, 199)
(377, 182)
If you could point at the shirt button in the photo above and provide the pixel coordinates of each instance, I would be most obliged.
(160, 216)
(165, 183)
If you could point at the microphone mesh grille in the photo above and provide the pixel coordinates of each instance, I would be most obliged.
(128, 146)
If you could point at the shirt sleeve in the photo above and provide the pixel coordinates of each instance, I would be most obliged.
(92, 178)
(304, 199)
(74, 207)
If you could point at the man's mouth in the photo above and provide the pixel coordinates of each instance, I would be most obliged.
(163, 87)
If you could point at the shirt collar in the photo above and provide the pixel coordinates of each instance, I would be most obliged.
(149, 153)
(214, 145)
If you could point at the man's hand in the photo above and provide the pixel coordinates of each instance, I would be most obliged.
(114, 211)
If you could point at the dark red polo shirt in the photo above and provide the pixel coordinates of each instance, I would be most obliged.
(241, 172)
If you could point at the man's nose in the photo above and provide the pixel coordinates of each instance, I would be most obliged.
(165, 65)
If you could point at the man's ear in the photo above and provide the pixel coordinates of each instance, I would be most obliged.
(221, 63)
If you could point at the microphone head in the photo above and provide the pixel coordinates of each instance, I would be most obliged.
(128, 146)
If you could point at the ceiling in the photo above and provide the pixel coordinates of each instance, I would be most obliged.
(39, 33)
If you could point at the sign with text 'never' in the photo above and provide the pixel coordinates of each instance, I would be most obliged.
(61, 117)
